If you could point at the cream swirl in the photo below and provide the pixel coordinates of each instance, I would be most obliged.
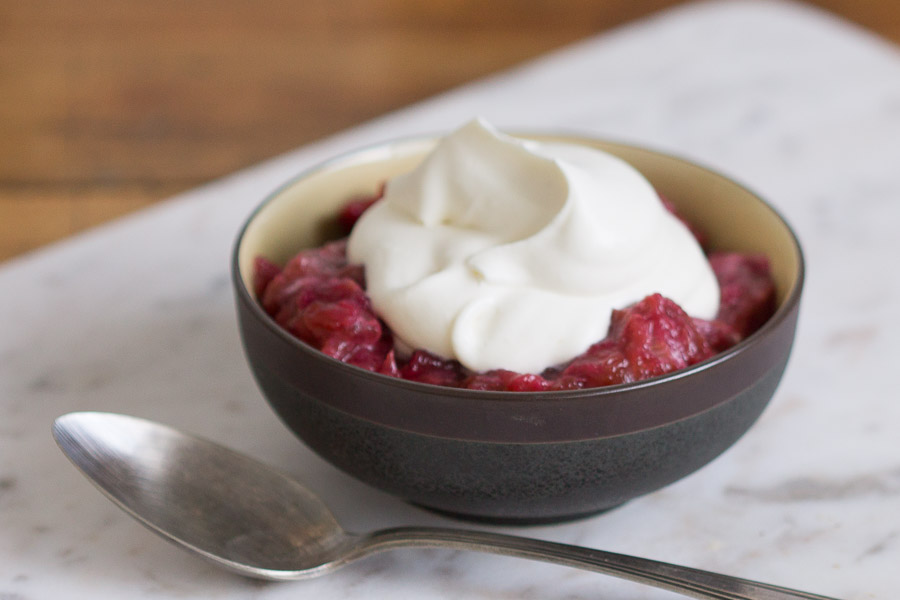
(508, 253)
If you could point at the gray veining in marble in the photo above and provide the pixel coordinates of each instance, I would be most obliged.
(137, 317)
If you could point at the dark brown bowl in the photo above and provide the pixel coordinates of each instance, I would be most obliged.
(504, 456)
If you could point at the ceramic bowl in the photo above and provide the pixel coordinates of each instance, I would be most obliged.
(515, 457)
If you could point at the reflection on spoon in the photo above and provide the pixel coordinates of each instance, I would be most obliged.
(251, 519)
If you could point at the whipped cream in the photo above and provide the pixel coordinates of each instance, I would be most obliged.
(509, 253)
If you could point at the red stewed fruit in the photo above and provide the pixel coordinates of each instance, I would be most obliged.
(320, 298)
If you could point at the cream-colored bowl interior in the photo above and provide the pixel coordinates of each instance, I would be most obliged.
(302, 214)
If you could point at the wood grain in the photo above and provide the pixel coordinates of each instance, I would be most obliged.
(106, 107)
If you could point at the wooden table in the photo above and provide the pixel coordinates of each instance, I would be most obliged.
(106, 107)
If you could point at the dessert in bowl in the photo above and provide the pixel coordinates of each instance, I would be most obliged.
(560, 452)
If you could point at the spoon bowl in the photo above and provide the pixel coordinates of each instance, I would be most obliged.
(221, 504)
(252, 519)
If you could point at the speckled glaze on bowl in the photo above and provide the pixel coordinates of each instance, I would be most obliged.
(502, 456)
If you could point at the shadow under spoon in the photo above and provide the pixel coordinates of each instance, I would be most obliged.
(247, 517)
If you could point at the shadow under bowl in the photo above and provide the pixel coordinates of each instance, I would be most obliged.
(515, 457)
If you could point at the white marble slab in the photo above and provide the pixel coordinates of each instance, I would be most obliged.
(137, 317)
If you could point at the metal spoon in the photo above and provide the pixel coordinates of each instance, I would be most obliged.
(251, 519)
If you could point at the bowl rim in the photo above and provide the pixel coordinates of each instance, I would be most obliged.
(784, 311)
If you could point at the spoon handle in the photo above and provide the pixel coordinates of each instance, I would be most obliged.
(693, 583)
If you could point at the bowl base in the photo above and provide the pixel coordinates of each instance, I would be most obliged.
(524, 521)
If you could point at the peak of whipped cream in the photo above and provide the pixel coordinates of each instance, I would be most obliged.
(506, 253)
